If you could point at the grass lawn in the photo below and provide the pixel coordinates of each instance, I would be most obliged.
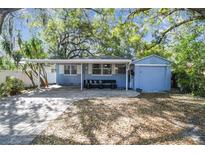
(148, 119)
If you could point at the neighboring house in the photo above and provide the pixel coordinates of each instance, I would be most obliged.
(150, 74)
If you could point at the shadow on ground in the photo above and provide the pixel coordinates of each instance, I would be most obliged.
(149, 119)
(22, 117)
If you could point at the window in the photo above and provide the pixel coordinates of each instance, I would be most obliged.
(120, 68)
(99, 69)
(96, 69)
(107, 69)
(73, 69)
(70, 69)
(66, 69)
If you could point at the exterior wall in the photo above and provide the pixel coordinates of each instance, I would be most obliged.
(63, 79)
(152, 78)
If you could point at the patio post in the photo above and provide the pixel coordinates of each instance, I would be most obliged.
(126, 77)
(38, 76)
(81, 68)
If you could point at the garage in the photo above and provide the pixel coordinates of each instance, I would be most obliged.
(152, 74)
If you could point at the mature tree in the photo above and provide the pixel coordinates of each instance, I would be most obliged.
(69, 33)
(168, 20)
(31, 49)
(189, 61)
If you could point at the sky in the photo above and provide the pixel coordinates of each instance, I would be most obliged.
(22, 25)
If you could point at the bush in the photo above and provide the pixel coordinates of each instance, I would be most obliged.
(12, 86)
(191, 83)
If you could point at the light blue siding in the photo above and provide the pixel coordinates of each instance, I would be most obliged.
(149, 78)
(152, 78)
(63, 79)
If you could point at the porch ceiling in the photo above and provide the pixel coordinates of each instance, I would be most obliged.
(80, 61)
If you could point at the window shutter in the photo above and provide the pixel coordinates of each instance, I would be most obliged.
(61, 69)
(89, 68)
(113, 68)
(78, 69)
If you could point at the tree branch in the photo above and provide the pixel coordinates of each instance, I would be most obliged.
(163, 34)
(4, 13)
(177, 25)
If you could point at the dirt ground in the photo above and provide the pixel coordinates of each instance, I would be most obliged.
(146, 119)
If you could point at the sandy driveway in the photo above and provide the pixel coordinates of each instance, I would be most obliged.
(25, 116)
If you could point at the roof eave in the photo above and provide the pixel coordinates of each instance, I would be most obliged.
(80, 61)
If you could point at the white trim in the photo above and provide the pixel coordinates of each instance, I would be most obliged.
(126, 77)
(90, 71)
(39, 84)
(78, 69)
(83, 61)
(113, 69)
(160, 65)
(61, 69)
(81, 76)
(70, 74)
(102, 74)
(153, 55)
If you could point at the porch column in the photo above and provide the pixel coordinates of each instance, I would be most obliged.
(39, 86)
(126, 77)
(81, 68)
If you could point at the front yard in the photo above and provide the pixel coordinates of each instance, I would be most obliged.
(147, 119)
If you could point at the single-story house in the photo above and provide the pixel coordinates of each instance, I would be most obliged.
(150, 74)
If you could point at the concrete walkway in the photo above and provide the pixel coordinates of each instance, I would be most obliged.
(25, 116)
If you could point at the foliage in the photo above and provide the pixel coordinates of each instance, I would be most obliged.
(33, 49)
(30, 49)
(6, 63)
(190, 64)
(12, 86)
(157, 50)
(69, 33)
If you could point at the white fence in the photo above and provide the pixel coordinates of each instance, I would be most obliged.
(22, 76)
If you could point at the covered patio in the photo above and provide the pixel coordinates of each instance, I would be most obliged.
(81, 62)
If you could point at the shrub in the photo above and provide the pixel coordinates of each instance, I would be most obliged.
(12, 86)
(191, 82)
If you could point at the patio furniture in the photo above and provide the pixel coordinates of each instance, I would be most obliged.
(100, 84)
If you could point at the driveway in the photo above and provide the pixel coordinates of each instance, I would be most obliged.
(23, 117)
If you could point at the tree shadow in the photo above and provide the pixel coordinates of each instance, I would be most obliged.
(20, 120)
(150, 119)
